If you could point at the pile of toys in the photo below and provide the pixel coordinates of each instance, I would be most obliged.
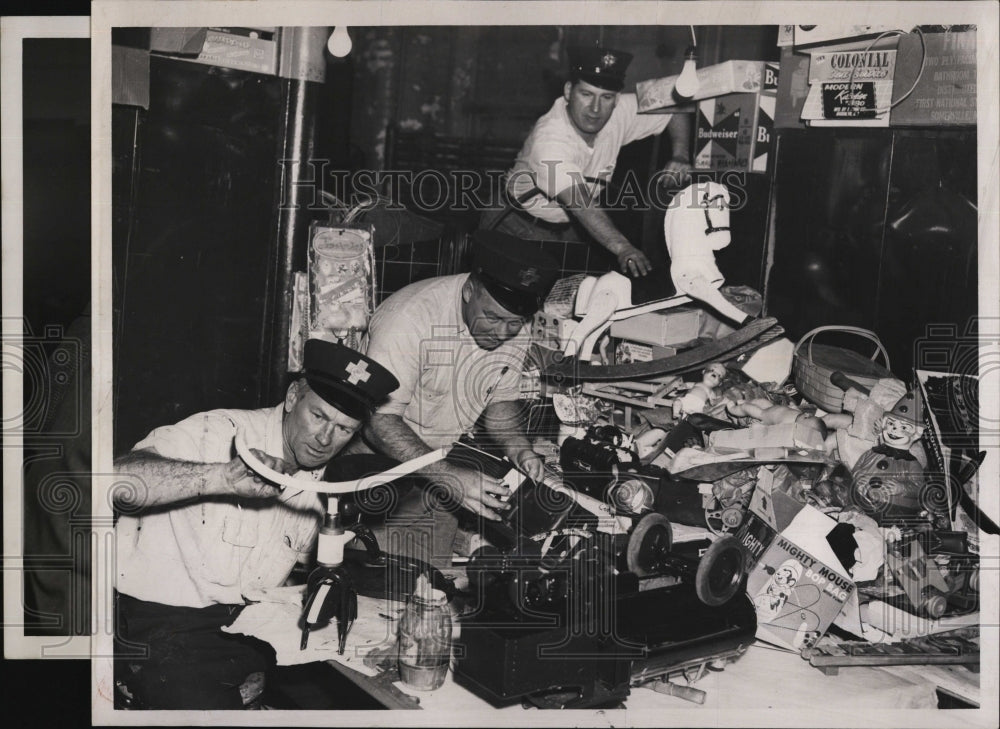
(852, 492)
(857, 519)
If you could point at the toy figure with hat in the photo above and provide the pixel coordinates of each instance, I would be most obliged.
(889, 481)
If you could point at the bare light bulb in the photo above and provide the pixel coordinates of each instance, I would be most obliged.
(339, 44)
(686, 85)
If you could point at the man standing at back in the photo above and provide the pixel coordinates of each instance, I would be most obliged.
(570, 155)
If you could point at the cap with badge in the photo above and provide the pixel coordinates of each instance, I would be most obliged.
(517, 273)
(601, 67)
(348, 380)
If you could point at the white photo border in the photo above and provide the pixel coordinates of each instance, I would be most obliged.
(14, 31)
(116, 13)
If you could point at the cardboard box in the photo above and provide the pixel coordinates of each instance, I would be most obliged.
(721, 78)
(251, 49)
(796, 582)
(847, 35)
(951, 411)
(627, 351)
(236, 50)
(665, 328)
(550, 330)
(733, 131)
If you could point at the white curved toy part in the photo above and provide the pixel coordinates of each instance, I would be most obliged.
(332, 487)
(603, 300)
(694, 228)
(600, 298)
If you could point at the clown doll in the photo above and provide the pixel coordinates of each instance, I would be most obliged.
(888, 479)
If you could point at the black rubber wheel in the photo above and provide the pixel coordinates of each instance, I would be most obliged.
(720, 572)
(651, 538)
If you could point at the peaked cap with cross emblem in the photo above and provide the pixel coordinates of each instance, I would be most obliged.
(348, 380)
(517, 273)
(601, 67)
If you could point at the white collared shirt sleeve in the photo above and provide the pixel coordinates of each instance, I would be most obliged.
(202, 438)
(636, 125)
(394, 342)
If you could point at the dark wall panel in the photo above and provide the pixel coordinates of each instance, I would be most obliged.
(930, 260)
(876, 228)
(830, 207)
(195, 266)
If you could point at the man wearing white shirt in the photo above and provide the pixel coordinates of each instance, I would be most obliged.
(458, 345)
(199, 535)
(570, 156)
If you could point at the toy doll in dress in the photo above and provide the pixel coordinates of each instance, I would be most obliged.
(701, 393)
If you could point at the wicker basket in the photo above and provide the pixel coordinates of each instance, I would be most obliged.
(812, 365)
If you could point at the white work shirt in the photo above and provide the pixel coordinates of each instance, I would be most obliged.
(215, 550)
(555, 157)
(445, 379)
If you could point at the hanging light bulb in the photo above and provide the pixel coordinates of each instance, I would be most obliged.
(686, 85)
(339, 44)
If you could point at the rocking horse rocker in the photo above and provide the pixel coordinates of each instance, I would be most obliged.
(696, 225)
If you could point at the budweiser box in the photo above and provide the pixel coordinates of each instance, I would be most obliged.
(733, 131)
(721, 78)
(796, 581)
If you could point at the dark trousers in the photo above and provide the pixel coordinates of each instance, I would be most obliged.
(521, 224)
(189, 663)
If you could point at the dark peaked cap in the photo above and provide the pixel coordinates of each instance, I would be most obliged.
(517, 273)
(601, 67)
(348, 380)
